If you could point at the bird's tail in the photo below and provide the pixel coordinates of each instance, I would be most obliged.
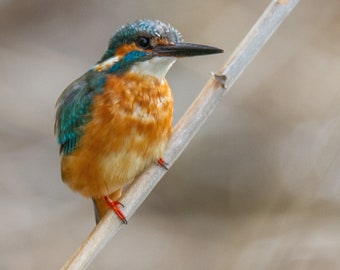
(100, 206)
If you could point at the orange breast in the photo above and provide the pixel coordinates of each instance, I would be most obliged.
(130, 128)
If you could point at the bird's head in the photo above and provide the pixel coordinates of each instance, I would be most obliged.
(148, 47)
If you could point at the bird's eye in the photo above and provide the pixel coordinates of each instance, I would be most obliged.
(143, 42)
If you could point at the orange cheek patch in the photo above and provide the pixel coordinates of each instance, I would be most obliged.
(126, 48)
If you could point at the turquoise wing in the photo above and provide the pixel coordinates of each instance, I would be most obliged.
(74, 109)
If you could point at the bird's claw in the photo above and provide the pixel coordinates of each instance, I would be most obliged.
(161, 162)
(114, 205)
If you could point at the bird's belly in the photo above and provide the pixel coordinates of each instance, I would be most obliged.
(138, 152)
(101, 172)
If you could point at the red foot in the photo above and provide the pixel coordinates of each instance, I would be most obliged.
(114, 205)
(161, 162)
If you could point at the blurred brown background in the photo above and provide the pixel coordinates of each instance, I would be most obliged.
(257, 188)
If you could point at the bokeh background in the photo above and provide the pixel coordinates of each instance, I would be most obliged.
(257, 188)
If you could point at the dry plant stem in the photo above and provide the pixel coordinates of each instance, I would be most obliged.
(185, 129)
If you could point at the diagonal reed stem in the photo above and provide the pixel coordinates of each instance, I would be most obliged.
(185, 129)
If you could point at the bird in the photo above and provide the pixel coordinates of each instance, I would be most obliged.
(116, 119)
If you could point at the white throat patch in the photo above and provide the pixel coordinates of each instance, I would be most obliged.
(157, 67)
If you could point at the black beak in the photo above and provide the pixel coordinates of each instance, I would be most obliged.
(184, 49)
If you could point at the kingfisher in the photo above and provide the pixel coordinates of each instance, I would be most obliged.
(116, 119)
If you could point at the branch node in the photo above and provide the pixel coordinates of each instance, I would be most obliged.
(221, 79)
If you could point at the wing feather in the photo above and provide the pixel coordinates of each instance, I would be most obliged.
(74, 109)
